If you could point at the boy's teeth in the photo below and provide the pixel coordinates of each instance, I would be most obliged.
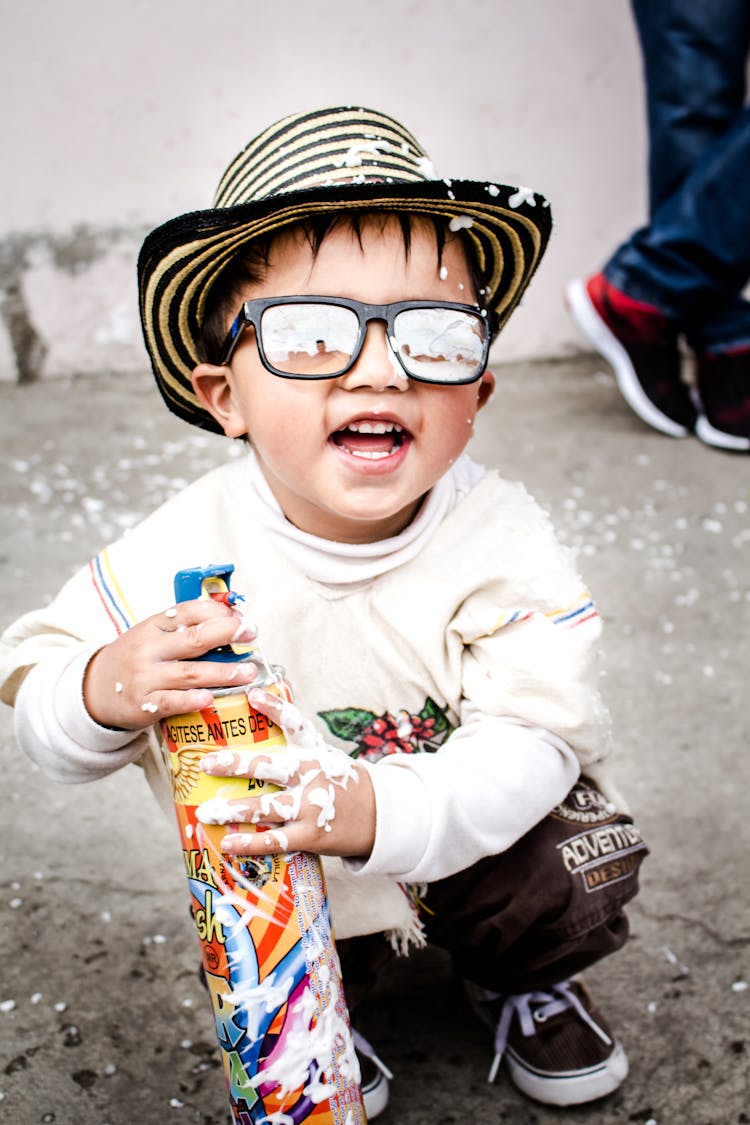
(374, 427)
(370, 438)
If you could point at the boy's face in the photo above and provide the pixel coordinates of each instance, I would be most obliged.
(307, 435)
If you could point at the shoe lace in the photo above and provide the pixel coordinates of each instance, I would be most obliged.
(365, 1048)
(533, 1008)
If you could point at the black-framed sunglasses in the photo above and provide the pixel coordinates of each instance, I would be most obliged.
(321, 337)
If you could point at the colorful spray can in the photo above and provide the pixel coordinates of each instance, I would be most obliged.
(263, 922)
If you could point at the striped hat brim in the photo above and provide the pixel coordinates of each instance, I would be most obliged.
(508, 229)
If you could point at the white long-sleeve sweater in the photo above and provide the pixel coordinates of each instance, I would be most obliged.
(470, 634)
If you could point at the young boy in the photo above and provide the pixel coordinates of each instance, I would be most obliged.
(335, 308)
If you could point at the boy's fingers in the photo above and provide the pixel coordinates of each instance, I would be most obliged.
(244, 810)
(164, 704)
(271, 841)
(269, 704)
(177, 675)
(191, 613)
(193, 638)
(300, 732)
(290, 836)
(280, 767)
(229, 763)
(205, 623)
(182, 688)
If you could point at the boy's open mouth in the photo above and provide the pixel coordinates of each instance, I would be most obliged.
(371, 439)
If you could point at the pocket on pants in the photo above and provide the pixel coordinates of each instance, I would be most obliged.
(600, 850)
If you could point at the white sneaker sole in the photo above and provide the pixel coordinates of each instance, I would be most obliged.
(606, 343)
(709, 435)
(573, 1087)
(375, 1096)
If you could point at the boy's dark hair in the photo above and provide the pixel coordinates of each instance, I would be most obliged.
(249, 264)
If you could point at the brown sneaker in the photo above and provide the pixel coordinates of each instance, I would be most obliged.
(556, 1046)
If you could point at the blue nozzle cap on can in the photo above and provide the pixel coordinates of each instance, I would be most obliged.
(211, 582)
(188, 584)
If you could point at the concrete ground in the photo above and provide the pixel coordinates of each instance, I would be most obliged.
(102, 1017)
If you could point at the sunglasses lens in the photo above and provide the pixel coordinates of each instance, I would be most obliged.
(309, 339)
(441, 345)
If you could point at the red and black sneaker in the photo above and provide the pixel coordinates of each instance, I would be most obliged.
(724, 387)
(641, 344)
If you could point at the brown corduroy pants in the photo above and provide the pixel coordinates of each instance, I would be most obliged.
(546, 908)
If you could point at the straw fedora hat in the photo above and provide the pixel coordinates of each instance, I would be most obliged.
(308, 164)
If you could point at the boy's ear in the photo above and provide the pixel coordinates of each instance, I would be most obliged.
(214, 390)
(486, 387)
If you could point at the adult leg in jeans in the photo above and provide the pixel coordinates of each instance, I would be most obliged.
(683, 274)
(694, 59)
(693, 258)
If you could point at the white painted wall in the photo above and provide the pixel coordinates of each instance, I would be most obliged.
(118, 116)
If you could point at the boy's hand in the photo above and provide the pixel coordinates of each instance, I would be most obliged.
(325, 803)
(151, 671)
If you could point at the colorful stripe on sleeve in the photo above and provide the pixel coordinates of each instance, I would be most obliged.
(110, 593)
(582, 610)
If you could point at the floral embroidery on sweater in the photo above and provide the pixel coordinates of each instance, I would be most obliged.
(374, 736)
